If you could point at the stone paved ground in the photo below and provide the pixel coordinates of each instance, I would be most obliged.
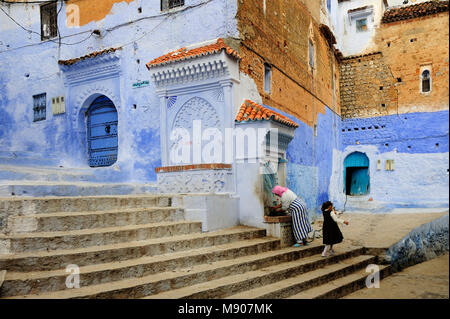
(425, 280)
(380, 230)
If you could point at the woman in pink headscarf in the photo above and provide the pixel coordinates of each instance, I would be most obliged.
(295, 207)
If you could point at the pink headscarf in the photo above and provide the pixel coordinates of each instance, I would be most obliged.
(279, 190)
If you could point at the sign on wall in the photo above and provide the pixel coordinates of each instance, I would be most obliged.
(58, 105)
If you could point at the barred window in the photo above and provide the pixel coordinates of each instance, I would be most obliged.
(49, 21)
(170, 4)
(39, 107)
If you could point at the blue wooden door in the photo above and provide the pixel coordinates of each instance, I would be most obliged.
(359, 181)
(356, 174)
(102, 132)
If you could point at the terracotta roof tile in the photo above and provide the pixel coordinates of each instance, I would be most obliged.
(184, 54)
(250, 111)
(414, 11)
(88, 56)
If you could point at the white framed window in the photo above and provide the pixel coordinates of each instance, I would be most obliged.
(267, 78)
(362, 18)
(425, 79)
(361, 25)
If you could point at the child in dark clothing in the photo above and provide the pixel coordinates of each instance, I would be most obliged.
(330, 230)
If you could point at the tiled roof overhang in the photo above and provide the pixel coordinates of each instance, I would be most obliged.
(251, 111)
(185, 54)
(414, 11)
(88, 56)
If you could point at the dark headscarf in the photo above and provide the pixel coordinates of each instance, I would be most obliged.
(326, 205)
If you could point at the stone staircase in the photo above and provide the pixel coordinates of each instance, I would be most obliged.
(141, 246)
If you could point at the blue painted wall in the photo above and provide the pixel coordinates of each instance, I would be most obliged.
(310, 158)
(411, 133)
(418, 143)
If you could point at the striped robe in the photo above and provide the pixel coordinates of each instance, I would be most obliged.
(301, 226)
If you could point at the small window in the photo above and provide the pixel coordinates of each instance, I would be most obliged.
(170, 4)
(39, 107)
(329, 5)
(267, 77)
(361, 25)
(49, 21)
(311, 54)
(426, 81)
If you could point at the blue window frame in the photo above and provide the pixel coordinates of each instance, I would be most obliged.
(39, 107)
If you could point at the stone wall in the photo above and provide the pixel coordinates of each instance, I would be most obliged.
(388, 81)
(367, 87)
(423, 243)
(278, 34)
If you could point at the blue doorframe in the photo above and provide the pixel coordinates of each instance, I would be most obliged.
(356, 174)
(102, 132)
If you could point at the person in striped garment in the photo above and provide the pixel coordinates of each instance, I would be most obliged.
(295, 207)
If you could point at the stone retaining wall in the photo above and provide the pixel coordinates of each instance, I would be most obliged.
(422, 243)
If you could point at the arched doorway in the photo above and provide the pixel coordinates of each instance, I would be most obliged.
(356, 174)
(102, 132)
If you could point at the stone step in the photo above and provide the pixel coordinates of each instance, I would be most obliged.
(24, 158)
(293, 285)
(340, 287)
(64, 189)
(65, 221)
(36, 205)
(244, 280)
(20, 283)
(185, 277)
(59, 259)
(46, 241)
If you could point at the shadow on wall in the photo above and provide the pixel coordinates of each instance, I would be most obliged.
(422, 243)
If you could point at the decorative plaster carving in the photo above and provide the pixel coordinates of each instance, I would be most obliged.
(189, 72)
(89, 91)
(102, 66)
(218, 95)
(196, 109)
(194, 182)
(171, 100)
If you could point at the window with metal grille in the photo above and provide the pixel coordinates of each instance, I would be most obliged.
(49, 21)
(39, 107)
(426, 81)
(311, 54)
(267, 77)
(361, 25)
(170, 4)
